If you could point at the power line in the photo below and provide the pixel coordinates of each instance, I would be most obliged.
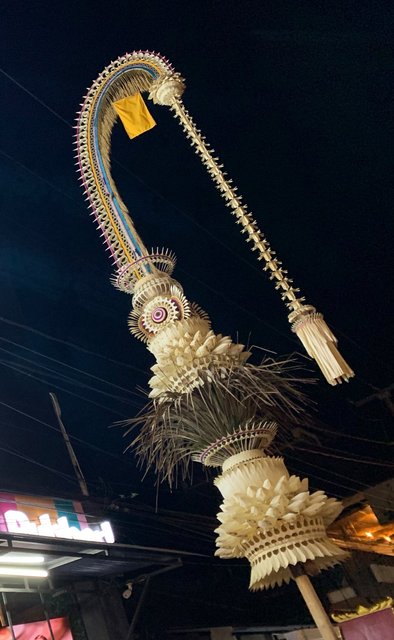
(321, 479)
(72, 393)
(36, 98)
(39, 464)
(38, 176)
(329, 471)
(76, 438)
(384, 395)
(68, 366)
(341, 434)
(239, 306)
(340, 451)
(69, 344)
(52, 374)
(349, 458)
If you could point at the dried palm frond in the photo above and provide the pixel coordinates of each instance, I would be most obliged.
(222, 417)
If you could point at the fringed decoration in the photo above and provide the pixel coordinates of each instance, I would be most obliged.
(229, 407)
(320, 344)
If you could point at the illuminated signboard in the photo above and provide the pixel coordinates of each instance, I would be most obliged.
(52, 518)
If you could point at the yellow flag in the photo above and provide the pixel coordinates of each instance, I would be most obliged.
(134, 114)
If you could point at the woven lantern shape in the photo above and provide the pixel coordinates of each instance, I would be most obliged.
(273, 520)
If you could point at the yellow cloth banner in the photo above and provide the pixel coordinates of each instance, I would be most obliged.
(134, 114)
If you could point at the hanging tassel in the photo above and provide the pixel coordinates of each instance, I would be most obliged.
(309, 326)
(320, 344)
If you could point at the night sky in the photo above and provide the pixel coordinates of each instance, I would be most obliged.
(296, 98)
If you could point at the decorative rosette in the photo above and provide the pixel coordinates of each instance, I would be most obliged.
(159, 313)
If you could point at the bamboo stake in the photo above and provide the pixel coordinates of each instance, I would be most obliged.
(314, 605)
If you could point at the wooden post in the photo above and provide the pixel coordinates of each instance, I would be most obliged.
(314, 605)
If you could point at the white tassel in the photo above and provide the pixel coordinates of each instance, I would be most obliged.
(320, 344)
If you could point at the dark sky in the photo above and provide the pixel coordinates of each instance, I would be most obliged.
(296, 98)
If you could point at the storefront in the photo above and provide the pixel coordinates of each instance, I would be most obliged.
(62, 571)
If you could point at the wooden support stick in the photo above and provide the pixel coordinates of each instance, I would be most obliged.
(314, 605)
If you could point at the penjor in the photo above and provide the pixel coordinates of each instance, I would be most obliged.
(208, 403)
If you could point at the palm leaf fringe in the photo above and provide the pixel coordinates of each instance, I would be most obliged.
(180, 427)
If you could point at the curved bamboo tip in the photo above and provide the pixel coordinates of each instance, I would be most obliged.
(321, 345)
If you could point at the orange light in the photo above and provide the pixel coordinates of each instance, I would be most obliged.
(369, 534)
(387, 538)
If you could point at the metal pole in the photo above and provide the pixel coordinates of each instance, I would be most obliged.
(314, 605)
(8, 614)
(47, 618)
(71, 452)
(130, 633)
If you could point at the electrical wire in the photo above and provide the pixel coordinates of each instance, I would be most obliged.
(291, 457)
(68, 366)
(32, 95)
(51, 375)
(72, 393)
(56, 376)
(75, 438)
(362, 487)
(38, 176)
(342, 434)
(85, 373)
(65, 476)
(70, 344)
(348, 458)
(307, 474)
(239, 306)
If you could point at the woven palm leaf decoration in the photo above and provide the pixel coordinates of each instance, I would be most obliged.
(207, 402)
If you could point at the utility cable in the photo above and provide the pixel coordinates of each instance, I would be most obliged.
(342, 434)
(70, 344)
(41, 368)
(32, 95)
(53, 375)
(337, 484)
(56, 386)
(215, 291)
(340, 451)
(49, 426)
(64, 364)
(349, 458)
(38, 176)
(39, 464)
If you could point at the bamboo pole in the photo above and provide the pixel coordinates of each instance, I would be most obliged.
(314, 605)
